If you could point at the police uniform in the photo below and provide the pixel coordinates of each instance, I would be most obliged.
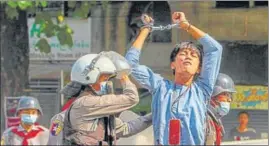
(214, 130)
(91, 120)
(84, 121)
(17, 135)
(56, 127)
(123, 129)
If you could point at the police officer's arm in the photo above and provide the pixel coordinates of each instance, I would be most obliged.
(212, 54)
(127, 129)
(56, 135)
(111, 103)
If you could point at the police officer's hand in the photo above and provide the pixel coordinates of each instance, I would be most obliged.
(124, 78)
(179, 17)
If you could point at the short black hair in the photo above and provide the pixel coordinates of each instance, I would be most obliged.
(243, 112)
(183, 45)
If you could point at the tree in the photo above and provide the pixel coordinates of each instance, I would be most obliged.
(14, 39)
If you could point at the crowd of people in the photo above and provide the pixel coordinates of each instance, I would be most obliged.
(185, 111)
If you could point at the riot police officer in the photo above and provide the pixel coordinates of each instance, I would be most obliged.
(90, 119)
(218, 107)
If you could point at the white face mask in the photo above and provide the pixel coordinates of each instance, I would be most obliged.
(103, 89)
(224, 108)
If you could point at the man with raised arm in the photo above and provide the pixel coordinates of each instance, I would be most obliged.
(179, 107)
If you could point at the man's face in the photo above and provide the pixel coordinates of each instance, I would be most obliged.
(187, 61)
(243, 119)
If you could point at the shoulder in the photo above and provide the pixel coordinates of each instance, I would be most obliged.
(251, 130)
(59, 116)
(7, 131)
(45, 132)
(197, 86)
(163, 84)
(84, 97)
(43, 128)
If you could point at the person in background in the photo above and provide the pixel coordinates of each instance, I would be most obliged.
(27, 133)
(242, 132)
(219, 107)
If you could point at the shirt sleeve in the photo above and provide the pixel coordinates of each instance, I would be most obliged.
(56, 131)
(141, 73)
(210, 64)
(110, 104)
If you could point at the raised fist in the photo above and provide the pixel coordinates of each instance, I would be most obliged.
(179, 17)
(147, 20)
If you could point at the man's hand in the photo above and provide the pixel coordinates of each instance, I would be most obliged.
(147, 21)
(138, 43)
(179, 17)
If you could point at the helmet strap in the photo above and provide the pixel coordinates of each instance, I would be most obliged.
(92, 91)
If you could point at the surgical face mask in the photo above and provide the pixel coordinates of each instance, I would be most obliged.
(28, 119)
(103, 89)
(223, 109)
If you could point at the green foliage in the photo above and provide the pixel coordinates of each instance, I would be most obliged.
(43, 45)
(12, 12)
(72, 4)
(24, 4)
(48, 28)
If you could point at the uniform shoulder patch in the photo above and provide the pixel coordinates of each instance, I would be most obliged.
(56, 127)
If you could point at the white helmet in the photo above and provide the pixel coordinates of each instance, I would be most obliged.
(87, 69)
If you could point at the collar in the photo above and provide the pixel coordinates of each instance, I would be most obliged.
(245, 130)
(20, 128)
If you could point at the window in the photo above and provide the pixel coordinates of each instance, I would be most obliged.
(161, 16)
(161, 13)
(261, 3)
(134, 24)
(52, 6)
(232, 4)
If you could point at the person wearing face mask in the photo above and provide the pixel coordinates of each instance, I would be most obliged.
(90, 118)
(219, 106)
(27, 133)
